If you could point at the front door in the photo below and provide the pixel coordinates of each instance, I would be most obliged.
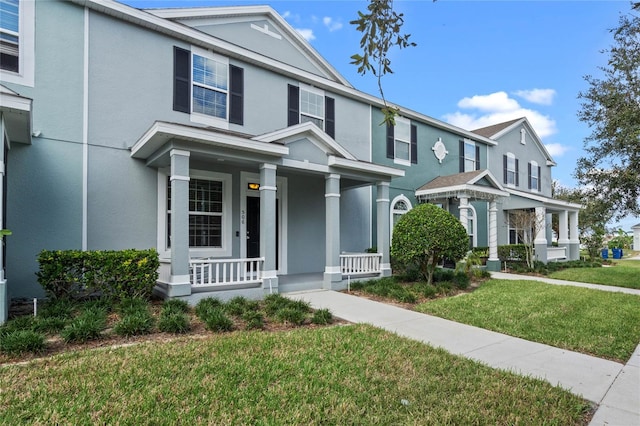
(253, 228)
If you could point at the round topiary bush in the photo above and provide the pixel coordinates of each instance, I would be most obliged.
(427, 234)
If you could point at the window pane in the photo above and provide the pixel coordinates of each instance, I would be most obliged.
(205, 231)
(210, 102)
(205, 196)
(209, 72)
(400, 205)
(9, 12)
(402, 150)
(469, 151)
(318, 122)
(469, 165)
(311, 103)
(402, 130)
(511, 177)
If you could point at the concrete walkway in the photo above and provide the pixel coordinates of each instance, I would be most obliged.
(614, 386)
(613, 289)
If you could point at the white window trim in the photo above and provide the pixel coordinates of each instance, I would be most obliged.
(397, 160)
(464, 154)
(227, 223)
(534, 168)
(200, 118)
(515, 179)
(26, 48)
(305, 87)
(403, 198)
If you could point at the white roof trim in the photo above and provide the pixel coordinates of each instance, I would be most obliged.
(365, 167)
(162, 132)
(287, 135)
(14, 102)
(156, 23)
(462, 189)
(536, 138)
(486, 173)
(548, 202)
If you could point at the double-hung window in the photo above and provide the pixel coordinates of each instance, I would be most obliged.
(469, 156)
(402, 142)
(10, 35)
(312, 106)
(510, 167)
(309, 104)
(534, 176)
(207, 87)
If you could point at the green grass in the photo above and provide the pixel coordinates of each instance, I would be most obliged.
(338, 375)
(594, 322)
(626, 273)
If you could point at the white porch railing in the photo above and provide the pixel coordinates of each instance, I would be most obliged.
(556, 253)
(360, 263)
(206, 272)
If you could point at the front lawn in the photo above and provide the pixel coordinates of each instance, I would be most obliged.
(625, 273)
(594, 322)
(336, 375)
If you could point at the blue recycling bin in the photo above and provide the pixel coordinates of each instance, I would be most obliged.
(605, 253)
(617, 253)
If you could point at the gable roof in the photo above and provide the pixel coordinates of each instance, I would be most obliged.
(492, 130)
(463, 183)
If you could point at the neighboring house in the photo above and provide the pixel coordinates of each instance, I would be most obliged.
(220, 137)
(636, 236)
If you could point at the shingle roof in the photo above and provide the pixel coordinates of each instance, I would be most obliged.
(450, 180)
(489, 131)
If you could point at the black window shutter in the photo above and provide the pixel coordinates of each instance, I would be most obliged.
(461, 156)
(477, 157)
(539, 180)
(390, 141)
(517, 172)
(181, 80)
(294, 106)
(504, 165)
(236, 89)
(529, 174)
(414, 144)
(330, 116)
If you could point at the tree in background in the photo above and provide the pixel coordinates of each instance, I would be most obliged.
(611, 107)
(426, 235)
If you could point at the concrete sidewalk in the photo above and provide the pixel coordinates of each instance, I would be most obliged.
(614, 386)
(613, 289)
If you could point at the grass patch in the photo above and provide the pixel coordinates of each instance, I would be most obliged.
(594, 322)
(340, 375)
(19, 342)
(625, 273)
(87, 326)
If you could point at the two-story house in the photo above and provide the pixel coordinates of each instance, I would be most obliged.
(221, 138)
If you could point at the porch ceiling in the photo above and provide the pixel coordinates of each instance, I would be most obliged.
(16, 112)
(527, 200)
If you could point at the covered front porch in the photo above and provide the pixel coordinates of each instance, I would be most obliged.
(273, 221)
(464, 188)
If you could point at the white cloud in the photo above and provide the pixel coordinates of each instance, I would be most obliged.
(331, 24)
(537, 96)
(556, 149)
(306, 33)
(497, 108)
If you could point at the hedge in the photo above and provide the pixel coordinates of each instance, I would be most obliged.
(114, 274)
(512, 252)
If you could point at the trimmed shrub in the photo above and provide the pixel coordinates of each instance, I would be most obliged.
(442, 274)
(274, 302)
(461, 280)
(239, 305)
(512, 252)
(115, 274)
(322, 317)
(426, 235)
(18, 342)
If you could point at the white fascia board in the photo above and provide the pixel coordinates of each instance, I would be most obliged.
(462, 189)
(365, 167)
(509, 128)
(486, 173)
(13, 102)
(532, 131)
(161, 132)
(549, 202)
(190, 35)
(300, 130)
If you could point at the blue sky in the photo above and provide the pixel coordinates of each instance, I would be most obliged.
(476, 63)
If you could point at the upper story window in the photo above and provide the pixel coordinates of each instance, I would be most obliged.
(10, 35)
(469, 156)
(310, 104)
(208, 87)
(17, 41)
(402, 142)
(534, 176)
(511, 172)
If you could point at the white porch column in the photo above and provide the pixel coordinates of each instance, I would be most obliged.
(268, 246)
(464, 213)
(180, 284)
(383, 227)
(493, 263)
(563, 231)
(540, 241)
(574, 236)
(4, 296)
(332, 270)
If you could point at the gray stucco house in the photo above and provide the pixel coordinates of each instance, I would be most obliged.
(220, 137)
